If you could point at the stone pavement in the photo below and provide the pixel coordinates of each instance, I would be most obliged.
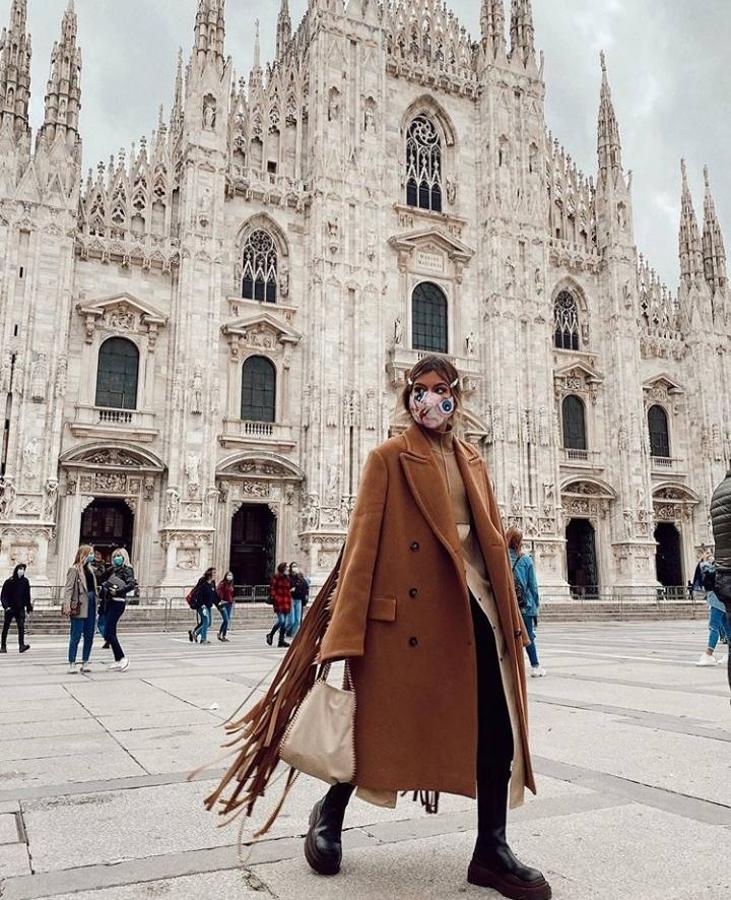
(631, 743)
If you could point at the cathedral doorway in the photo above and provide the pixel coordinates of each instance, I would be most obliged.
(253, 545)
(106, 524)
(581, 561)
(669, 555)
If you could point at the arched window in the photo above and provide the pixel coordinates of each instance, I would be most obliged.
(429, 318)
(423, 165)
(566, 322)
(574, 423)
(258, 392)
(260, 268)
(117, 374)
(657, 421)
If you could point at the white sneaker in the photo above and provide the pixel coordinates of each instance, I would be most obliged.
(72, 669)
(707, 660)
(86, 667)
(115, 666)
(123, 664)
(537, 672)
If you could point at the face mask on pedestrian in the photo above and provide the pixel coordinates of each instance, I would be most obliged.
(90, 558)
(118, 561)
(430, 408)
(229, 578)
(21, 573)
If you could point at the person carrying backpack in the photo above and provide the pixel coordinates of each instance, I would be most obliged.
(526, 589)
(15, 598)
(202, 599)
(718, 624)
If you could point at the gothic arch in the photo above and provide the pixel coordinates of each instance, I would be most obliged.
(671, 490)
(571, 286)
(427, 105)
(264, 222)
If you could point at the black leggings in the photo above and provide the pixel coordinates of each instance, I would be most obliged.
(115, 611)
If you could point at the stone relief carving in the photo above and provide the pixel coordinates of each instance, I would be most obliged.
(39, 378)
(193, 474)
(31, 457)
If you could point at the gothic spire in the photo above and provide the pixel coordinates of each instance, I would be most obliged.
(714, 252)
(15, 55)
(522, 32)
(492, 20)
(284, 29)
(210, 29)
(176, 113)
(255, 76)
(63, 93)
(691, 255)
(609, 146)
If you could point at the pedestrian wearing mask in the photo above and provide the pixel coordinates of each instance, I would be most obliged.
(226, 607)
(526, 587)
(79, 604)
(424, 613)
(300, 594)
(15, 599)
(280, 595)
(119, 581)
(205, 598)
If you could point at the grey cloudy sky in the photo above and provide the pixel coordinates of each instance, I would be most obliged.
(667, 64)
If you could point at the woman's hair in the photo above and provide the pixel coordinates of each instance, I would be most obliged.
(514, 539)
(120, 551)
(281, 568)
(81, 555)
(207, 574)
(433, 363)
(293, 565)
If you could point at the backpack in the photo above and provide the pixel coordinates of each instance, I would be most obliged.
(192, 599)
(519, 592)
(708, 577)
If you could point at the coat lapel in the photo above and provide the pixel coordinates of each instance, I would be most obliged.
(470, 465)
(430, 492)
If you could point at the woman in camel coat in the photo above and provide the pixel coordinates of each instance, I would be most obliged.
(426, 615)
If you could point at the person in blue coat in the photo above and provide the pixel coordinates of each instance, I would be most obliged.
(526, 587)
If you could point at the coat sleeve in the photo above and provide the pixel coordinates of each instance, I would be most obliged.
(345, 636)
(532, 582)
(68, 588)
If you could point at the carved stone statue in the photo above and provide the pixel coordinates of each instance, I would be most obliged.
(197, 393)
(50, 499)
(193, 473)
(398, 331)
(7, 497)
(333, 108)
(470, 344)
(39, 379)
(369, 118)
(31, 457)
(172, 505)
(209, 113)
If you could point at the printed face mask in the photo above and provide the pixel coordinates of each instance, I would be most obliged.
(118, 560)
(430, 409)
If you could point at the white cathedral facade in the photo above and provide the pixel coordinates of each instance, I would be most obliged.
(201, 341)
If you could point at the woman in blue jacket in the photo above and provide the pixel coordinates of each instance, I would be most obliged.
(524, 573)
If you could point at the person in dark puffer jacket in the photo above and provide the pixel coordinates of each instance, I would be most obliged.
(721, 521)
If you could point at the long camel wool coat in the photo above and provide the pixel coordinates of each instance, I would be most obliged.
(401, 616)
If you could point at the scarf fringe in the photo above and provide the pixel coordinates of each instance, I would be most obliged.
(256, 736)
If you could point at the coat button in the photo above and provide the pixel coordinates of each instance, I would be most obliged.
(413, 592)
(518, 633)
(413, 642)
(415, 546)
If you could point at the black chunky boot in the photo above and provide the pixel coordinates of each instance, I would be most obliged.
(323, 844)
(494, 864)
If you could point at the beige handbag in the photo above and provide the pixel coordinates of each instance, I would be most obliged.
(320, 740)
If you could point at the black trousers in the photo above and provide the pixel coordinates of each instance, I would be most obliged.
(494, 738)
(19, 616)
(115, 611)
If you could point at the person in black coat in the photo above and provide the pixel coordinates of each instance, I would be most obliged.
(15, 598)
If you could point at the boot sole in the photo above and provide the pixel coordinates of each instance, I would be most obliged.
(314, 860)
(508, 885)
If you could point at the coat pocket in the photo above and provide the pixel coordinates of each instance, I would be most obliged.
(382, 609)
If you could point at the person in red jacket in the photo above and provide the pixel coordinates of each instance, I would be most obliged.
(226, 596)
(280, 595)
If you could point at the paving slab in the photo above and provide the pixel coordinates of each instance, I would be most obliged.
(25, 773)
(216, 885)
(8, 829)
(13, 861)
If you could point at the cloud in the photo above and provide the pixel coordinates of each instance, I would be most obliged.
(667, 65)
